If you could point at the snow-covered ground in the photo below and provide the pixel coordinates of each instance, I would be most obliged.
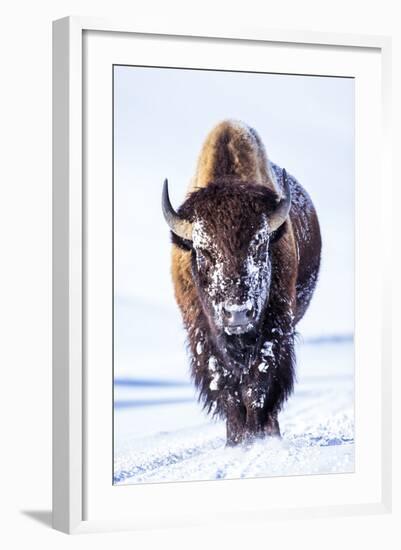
(161, 433)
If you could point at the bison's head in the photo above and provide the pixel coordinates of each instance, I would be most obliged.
(229, 229)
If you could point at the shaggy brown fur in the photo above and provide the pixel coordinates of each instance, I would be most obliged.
(233, 150)
(235, 187)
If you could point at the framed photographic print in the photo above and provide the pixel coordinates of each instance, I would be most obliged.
(219, 318)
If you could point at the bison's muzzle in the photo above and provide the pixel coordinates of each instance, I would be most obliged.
(238, 319)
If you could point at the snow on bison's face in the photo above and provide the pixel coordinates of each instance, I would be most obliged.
(233, 281)
(227, 228)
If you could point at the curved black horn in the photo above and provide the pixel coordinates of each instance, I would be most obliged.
(178, 225)
(283, 208)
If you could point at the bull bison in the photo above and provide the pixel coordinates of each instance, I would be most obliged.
(245, 261)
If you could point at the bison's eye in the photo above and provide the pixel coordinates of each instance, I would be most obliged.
(204, 256)
(259, 248)
(204, 261)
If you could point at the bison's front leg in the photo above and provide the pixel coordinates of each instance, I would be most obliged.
(235, 430)
(260, 420)
(269, 384)
(271, 425)
(235, 419)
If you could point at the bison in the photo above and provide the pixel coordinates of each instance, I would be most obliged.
(246, 251)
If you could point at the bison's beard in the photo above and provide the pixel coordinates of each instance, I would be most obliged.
(238, 350)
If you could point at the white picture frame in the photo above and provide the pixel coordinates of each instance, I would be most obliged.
(73, 475)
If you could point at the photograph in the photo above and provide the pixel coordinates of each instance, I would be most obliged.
(233, 274)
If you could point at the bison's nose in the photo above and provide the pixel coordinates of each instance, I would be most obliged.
(238, 316)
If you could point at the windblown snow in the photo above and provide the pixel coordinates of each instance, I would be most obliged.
(161, 433)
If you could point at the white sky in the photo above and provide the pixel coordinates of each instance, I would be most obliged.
(161, 119)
